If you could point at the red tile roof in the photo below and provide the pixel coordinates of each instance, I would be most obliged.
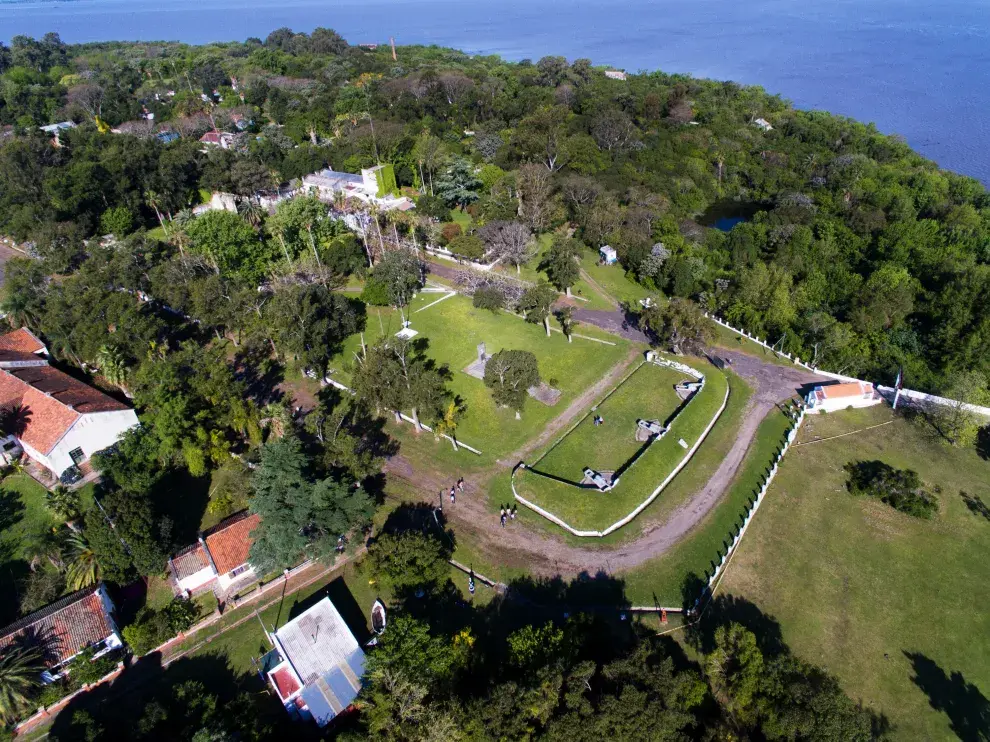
(64, 627)
(230, 541)
(189, 561)
(848, 389)
(21, 340)
(210, 137)
(52, 401)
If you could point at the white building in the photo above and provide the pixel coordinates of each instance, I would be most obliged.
(219, 560)
(608, 255)
(615, 74)
(833, 397)
(325, 184)
(66, 627)
(61, 421)
(763, 124)
(317, 664)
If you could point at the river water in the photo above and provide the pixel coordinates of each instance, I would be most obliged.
(917, 68)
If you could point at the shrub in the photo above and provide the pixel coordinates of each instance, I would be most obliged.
(490, 298)
(116, 220)
(467, 246)
(902, 489)
(152, 628)
(375, 293)
(432, 206)
(450, 232)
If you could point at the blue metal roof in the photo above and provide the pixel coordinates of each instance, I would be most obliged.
(319, 707)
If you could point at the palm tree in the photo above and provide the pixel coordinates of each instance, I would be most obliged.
(180, 221)
(153, 199)
(112, 366)
(82, 569)
(277, 417)
(251, 211)
(42, 546)
(20, 673)
(14, 419)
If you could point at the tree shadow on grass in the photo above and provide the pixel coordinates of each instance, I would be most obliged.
(976, 505)
(727, 609)
(11, 509)
(148, 702)
(967, 708)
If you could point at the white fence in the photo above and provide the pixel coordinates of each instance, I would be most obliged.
(424, 426)
(755, 505)
(920, 399)
(656, 492)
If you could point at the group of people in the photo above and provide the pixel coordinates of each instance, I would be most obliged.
(507, 513)
(599, 420)
(454, 489)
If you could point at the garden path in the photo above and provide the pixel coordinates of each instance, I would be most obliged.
(519, 546)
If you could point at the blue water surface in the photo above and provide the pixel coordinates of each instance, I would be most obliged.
(914, 67)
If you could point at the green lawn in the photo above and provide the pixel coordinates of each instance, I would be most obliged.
(726, 338)
(612, 278)
(454, 328)
(647, 394)
(698, 553)
(896, 607)
(586, 509)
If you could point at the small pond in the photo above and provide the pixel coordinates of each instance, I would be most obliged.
(724, 215)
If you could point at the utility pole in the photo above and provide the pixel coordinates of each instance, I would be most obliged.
(391, 40)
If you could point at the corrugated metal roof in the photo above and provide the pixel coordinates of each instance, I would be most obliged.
(318, 641)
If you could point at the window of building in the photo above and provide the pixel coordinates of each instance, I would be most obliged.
(240, 570)
(77, 456)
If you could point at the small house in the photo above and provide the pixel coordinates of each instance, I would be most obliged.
(167, 137)
(65, 628)
(615, 74)
(316, 665)
(221, 139)
(763, 124)
(608, 255)
(219, 560)
(839, 396)
(56, 129)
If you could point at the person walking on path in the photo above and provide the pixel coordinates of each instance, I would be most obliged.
(451, 495)
(460, 484)
(512, 513)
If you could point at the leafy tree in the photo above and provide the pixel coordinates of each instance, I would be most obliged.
(353, 439)
(309, 323)
(561, 262)
(457, 183)
(299, 513)
(679, 325)
(956, 424)
(40, 588)
(468, 246)
(409, 561)
(565, 316)
(115, 564)
(734, 670)
(410, 649)
(117, 221)
(231, 245)
(510, 374)
(401, 273)
(537, 303)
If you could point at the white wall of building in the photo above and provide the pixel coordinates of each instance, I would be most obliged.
(842, 403)
(197, 579)
(92, 432)
(226, 580)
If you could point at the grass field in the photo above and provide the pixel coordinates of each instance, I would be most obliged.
(612, 278)
(896, 607)
(454, 328)
(592, 510)
(647, 394)
(664, 578)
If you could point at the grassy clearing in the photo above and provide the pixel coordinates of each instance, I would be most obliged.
(593, 510)
(647, 394)
(663, 579)
(613, 279)
(454, 329)
(893, 605)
